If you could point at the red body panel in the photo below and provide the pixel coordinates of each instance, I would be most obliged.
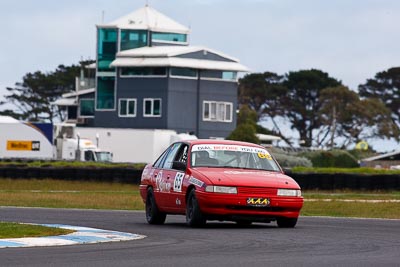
(171, 188)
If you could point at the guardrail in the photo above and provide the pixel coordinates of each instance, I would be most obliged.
(307, 181)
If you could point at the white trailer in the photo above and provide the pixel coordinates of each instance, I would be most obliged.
(23, 140)
(133, 145)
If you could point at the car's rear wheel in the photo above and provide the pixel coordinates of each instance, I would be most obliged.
(286, 222)
(194, 216)
(153, 214)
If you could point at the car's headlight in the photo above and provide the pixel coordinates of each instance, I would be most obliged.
(221, 189)
(289, 192)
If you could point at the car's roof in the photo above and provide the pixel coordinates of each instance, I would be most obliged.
(218, 141)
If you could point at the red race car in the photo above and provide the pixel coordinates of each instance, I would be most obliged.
(219, 180)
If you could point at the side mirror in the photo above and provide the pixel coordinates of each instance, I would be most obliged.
(178, 165)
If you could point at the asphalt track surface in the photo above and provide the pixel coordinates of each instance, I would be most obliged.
(316, 241)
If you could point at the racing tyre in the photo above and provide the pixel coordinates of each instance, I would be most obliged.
(194, 217)
(153, 215)
(286, 222)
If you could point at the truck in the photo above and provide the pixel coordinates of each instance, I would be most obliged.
(81, 149)
(27, 140)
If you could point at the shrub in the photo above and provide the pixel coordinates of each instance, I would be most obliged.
(288, 161)
(244, 132)
(334, 158)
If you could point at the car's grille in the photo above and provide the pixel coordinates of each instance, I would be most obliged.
(257, 190)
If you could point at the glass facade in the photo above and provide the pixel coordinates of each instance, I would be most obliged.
(86, 108)
(169, 37)
(184, 72)
(132, 71)
(131, 39)
(105, 97)
(106, 48)
(223, 75)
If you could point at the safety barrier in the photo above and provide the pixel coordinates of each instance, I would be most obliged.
(132, 176)
(325, 181)
(118, 175)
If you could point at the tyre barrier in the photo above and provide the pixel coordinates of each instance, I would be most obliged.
(307, 181)
(117, 175)
(325, 181)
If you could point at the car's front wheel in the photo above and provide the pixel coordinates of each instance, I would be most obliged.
(286, 222)
(153, 215)
(194, 216)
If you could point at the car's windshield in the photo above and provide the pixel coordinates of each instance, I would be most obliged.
(232, 156)
(104, 156)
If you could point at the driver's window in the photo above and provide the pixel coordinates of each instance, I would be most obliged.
(182, 154)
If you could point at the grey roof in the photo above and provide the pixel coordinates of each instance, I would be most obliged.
(167, 56)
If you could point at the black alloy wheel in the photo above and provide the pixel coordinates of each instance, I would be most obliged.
(153, 215)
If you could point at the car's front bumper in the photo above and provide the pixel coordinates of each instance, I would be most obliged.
(231, 205)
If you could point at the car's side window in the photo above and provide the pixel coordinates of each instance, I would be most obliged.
(171, 156)
(161, 159)
(182, 154)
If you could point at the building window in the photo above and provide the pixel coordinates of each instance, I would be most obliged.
(131, 39)
(140, 72)
(127, 107)
(217, 111)
(168, 37)
(106, 48)
(229, 75)
(183, 72)
(105, 95)
(152, 107)
(219, 75)
(86, 107)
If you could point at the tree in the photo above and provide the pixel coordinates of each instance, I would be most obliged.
(33, 96)
(246, 126)
(371, 119)
(263, 93)
(337, 108)
(301, 103)
(343, 114)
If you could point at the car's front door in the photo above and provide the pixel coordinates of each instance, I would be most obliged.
(174, 199)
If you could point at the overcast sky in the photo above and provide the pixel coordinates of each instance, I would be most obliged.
(351, 40)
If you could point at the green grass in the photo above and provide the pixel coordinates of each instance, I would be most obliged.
(17, 230)
(354, 195)
(352, 209)
(69, 194)
(100, 195)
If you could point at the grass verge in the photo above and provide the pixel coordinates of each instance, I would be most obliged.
(17, 230)
(99, 195)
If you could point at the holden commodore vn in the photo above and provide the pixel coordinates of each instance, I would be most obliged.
(219, 180)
